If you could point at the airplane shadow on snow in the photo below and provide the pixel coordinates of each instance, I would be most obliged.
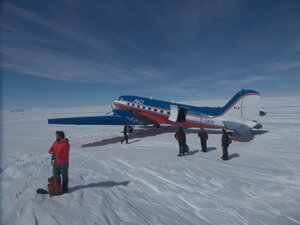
(150, 132)
(138, 133)
(103, 184)
(237, 137)
(240, 138)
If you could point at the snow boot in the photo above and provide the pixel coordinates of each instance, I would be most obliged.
(65, 188)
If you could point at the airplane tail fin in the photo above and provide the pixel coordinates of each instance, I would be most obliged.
(243, 108)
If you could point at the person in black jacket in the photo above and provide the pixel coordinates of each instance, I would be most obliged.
(180, 136)
(225, 144)
(125, 131)
(203, 138)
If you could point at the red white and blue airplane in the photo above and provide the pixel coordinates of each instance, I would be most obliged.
(240, 115)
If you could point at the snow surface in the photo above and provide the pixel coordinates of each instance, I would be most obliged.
(145, 182)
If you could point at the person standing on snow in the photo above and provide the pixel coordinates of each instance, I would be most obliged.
(180, 137)
(60, 153)
(203, 137)
(225, 143)
(125, 131)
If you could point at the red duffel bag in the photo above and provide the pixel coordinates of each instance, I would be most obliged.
(54, 185)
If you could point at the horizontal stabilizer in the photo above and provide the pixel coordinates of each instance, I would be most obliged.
(238, 128)
(258, 126)
(262, 113)
(96, 120)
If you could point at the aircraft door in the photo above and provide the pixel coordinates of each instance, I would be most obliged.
(182, 115)
(177, 114)
(173, 113)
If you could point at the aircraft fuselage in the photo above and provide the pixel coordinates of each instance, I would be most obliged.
(161, 111)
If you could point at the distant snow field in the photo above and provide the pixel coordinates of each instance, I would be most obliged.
(145, 182)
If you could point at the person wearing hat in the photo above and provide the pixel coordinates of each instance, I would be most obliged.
(225, 143)
(125, 132)
(60, 154)
(202, 134)
(181, 138)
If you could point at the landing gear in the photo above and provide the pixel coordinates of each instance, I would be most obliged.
(156, 125)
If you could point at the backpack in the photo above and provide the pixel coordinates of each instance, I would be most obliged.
(186, 148)
(54, 185)
(130, 129)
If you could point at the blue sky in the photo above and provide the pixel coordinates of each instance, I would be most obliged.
(86, 53)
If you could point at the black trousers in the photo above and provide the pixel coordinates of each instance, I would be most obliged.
(225, 153)
(181, 148)
(63, 170)
(125, 138)
(203, 145)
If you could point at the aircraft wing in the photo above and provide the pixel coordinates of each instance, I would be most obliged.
(97, 120)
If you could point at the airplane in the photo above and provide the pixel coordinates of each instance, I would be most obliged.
(240, 115)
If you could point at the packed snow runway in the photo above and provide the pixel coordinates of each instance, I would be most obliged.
(145, 182)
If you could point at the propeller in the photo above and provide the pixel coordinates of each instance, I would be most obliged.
(112, 109)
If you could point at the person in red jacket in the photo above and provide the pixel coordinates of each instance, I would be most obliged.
(60, 153)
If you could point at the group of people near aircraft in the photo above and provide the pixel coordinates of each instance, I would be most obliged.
(181, 138)
(202, 134)
(60, 150)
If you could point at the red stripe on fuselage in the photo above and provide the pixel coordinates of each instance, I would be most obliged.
(151, 115)
(163, 119)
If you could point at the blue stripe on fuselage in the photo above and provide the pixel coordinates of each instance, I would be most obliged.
(164, 105)
(193, 110)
